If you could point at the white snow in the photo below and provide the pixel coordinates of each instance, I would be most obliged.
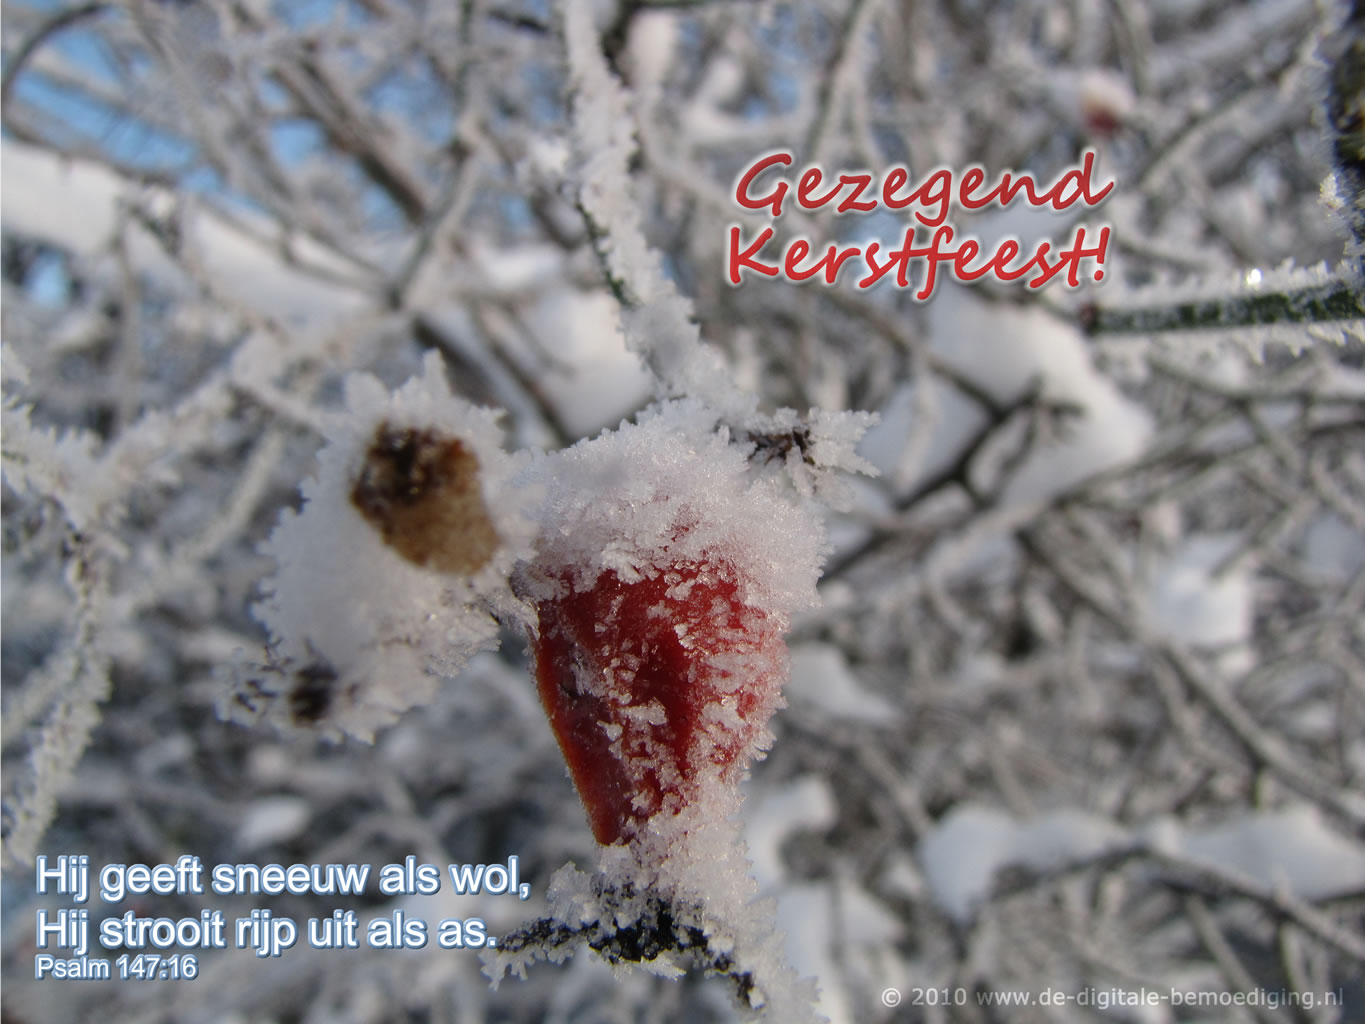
(669, 489)
(803, 803)
(1002, 349)
(962, 855)
(272, 820)
(821, 678)
(1332, 548)
(594, 380)
(1292, 848)
(823, 926)
(1185, 601)
(75, 204)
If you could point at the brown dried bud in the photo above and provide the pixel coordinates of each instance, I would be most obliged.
(421, 491)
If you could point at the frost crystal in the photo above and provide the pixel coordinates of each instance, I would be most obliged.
(671, 489)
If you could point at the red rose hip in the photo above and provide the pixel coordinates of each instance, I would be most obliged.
(658, 689)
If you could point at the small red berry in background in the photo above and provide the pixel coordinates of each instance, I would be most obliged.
(656, 689)
(1105, 102)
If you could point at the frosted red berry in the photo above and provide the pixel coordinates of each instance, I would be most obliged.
(657, 689)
